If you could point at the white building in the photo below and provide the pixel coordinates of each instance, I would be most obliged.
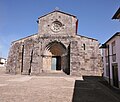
(111, 60)
(2, 62)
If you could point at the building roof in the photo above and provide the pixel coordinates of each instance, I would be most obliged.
(24, 38)
(57, 11)
(104, 45)
(117, 14)
(116, 34)
(2, 58)
(87, 37)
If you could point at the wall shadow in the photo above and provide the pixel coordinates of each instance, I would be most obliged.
(78, 95)
(90, 90)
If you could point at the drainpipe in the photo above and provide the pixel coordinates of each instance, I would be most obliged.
(109, 64)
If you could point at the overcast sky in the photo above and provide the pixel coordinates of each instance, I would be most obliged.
(18, 18)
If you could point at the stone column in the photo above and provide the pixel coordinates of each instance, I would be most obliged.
(74, 59)
(28, 45)
(35, 64)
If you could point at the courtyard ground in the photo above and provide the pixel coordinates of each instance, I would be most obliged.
(54, 88)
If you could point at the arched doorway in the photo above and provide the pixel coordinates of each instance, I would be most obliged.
(55, 57)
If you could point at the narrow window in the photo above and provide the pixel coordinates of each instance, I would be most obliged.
(22, 58)
(29, 72)
(113, 48)
(113, 51)
(84, 46)
(106, 55)
(107, 71)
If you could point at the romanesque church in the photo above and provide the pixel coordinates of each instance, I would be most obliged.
(55, 48)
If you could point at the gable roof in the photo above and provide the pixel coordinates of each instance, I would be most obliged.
(30, 36)
(87, 37)
(104, 45)
(57, 11)
(116, 34)
(117, 14)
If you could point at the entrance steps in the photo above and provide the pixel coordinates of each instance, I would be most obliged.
(60, 74)
(53, 73)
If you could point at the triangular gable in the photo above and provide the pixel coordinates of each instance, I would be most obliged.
(57, 11)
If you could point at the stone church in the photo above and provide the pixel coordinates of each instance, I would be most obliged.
(56, 48)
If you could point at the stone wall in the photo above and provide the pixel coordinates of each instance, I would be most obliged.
(89, 56)
(14, 58)
(82, 57)
(33, 55)
(68, 24)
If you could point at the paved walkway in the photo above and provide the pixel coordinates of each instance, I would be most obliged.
(21, 88)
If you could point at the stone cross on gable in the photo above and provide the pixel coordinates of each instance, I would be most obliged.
(56, 8)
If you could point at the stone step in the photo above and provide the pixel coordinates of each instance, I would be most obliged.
(53, 73)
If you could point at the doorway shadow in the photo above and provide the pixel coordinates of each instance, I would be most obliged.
(67, 71)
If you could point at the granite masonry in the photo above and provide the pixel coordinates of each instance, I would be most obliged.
(55, 48)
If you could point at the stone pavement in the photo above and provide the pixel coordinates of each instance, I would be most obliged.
(23, 88)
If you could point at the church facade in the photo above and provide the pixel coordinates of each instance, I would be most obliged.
(55, 48)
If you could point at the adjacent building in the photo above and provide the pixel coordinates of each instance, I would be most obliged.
(117, 14)
(55, 48)
(111, 57)
(2, 62)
